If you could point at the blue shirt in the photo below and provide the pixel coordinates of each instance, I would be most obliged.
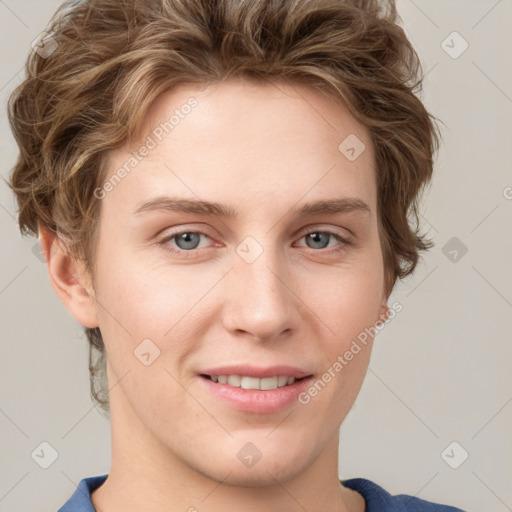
(377, 499)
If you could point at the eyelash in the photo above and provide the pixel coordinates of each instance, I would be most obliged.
(345, 242)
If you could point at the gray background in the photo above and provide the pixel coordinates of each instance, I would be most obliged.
(440, 371)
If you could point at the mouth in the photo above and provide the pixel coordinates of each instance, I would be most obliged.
(256, 390)
(248, 382)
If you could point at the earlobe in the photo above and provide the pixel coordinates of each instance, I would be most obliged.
(69, 278)
(383, 312)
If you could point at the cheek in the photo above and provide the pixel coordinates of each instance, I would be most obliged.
(149, 325)
(348, 299)
(138, 301)
(348, 304)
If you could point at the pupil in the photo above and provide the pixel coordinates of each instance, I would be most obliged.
(187, 240)
(316, 239)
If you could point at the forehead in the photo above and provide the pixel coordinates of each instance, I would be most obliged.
(271, 141)
(239, 107)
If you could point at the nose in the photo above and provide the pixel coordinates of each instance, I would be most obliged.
(259, 299)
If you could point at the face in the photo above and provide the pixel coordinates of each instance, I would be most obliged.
(275, 278)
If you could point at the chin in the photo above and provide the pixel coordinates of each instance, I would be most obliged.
(266, 475)
(279, 466)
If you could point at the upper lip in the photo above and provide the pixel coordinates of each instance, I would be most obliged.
(258, 372)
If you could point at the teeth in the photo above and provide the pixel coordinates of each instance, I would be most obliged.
(244, 382)
(268, 383)
(249, 383)
(282, 381)
(234, 380)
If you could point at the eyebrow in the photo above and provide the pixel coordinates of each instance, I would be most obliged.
(313, 208)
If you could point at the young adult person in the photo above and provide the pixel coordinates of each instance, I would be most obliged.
(226, 193)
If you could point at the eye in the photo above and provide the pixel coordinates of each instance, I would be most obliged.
(188, 241)
(322, 239)
(185, 241)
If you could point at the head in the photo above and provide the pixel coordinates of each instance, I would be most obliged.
(264, 108)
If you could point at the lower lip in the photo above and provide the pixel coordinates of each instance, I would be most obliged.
(257, 401)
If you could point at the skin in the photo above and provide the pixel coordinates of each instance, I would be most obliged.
(263, 150)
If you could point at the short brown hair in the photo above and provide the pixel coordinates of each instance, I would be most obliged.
(112, 58)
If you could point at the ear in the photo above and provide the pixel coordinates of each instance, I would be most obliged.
(383, 309)
(69, 278)
(383, 313)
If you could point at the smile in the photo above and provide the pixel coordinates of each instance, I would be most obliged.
(258, 395)
(246, 382)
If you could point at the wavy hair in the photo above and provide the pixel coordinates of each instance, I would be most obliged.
(105, 61)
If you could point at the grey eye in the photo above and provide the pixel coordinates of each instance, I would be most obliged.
(189, 240)
(317, 240)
